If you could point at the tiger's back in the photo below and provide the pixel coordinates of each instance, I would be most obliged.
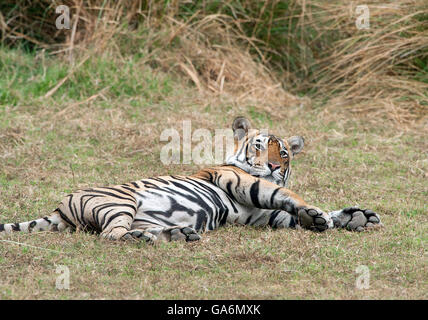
(156, 204)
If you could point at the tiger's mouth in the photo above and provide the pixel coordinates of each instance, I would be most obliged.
(276, 176)
(265, 170)
(262, 171)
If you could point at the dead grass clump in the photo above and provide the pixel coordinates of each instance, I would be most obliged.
(207, 52)
(91, 22)
(382, 68)
(210, 50)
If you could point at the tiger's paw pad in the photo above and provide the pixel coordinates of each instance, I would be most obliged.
(313, 219)
(357, 219)
(138, 235)
(186, 233)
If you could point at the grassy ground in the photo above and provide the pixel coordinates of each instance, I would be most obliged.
(102, 126)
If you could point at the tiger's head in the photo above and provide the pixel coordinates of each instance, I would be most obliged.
(261, 154)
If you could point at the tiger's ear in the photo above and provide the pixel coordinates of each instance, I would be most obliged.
(240, 127)
(296, 144)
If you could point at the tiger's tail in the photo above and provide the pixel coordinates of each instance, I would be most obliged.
(53, 222)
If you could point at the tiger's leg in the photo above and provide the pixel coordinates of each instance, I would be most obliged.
(352, 218)
(115, 224)
(316, 222)
(282, 219)
(259, 193)
(101, 211)
(162, 233)
(356, 219)
(110, 211)
(120, 229)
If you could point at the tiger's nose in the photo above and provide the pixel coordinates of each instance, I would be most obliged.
(273, 165)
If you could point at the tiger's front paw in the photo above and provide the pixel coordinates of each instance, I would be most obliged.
(314, 219)
(356, 219)
(184, 233)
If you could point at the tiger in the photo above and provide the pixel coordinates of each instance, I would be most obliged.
(250, 188)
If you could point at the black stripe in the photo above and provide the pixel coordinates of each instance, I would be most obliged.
(111, 194)
(292, 222)
(1, 227)
(238, 182)
(135, 185)
(223, 219)
(221, 211)
(64, 217)
(273, 217)
(83, 206)
(254, 193)
(70, 207)
(135, 191)
(32, 225)
(215, 195)
(160, 180)
(220, 208)
(129, 188)
(202, 218)
(15, 227)
(118, 190)
(193, 196)
(165, 221)
(82, 221)
(229, 191)
(104, 217)
(211, 178)
(115, 216)
(96, 210)
(148, 184)
(246, 154)
(272, 197)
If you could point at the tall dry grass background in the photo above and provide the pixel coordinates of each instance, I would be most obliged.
(273, 53)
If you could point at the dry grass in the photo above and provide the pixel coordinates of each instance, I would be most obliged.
(385, 64)
(205, 49)
(50, 147)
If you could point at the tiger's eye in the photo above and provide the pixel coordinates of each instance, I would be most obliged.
(258, 146)
(283, 154)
